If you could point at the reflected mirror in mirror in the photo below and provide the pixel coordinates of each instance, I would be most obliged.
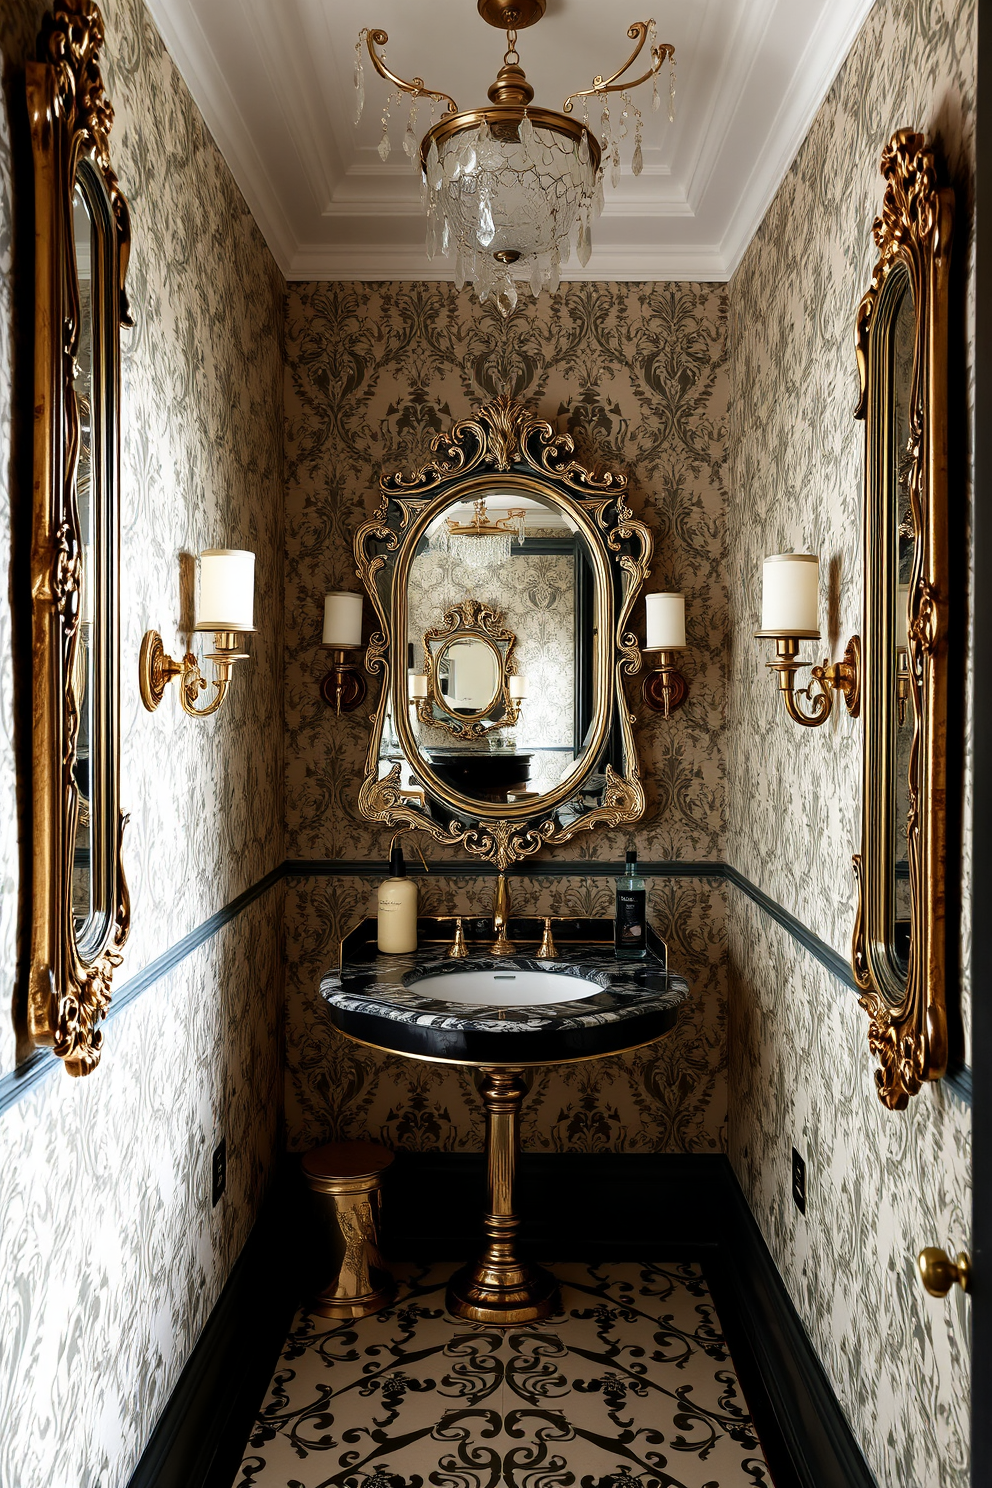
(903, 332)
(83, 674)
(530, 683)
(470, 676)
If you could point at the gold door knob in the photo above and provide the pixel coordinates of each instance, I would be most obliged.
(938, 1272)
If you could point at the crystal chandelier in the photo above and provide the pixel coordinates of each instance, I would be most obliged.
(507, 186)
(485, 541)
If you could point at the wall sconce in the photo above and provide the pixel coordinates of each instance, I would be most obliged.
(225, 606)
(902, 651)
(517, 689)
(417, 686)
(665, 689)
(343, 688)
(789, 614)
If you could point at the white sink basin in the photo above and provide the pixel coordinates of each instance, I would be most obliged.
(505, 988)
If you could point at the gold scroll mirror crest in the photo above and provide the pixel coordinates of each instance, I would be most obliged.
(80, 911)
(900, 938)
(505, 448)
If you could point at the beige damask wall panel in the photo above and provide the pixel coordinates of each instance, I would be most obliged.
(638, 374)
(881, 1184)
(110, 1253)
(669, 1097)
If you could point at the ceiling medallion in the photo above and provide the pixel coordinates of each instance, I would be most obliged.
(507, 184)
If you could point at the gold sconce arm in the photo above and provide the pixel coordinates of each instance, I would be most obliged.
(156, 669)
(665, 689)
(838, 676)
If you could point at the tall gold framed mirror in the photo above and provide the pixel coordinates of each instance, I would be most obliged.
(900, 939)
(80, 911)
(504, 521)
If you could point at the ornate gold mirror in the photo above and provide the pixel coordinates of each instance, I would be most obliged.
(516, 733)
(80, 909)
(469, 686)
(900, 935)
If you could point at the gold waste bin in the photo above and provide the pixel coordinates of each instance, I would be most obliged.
(345, 1179)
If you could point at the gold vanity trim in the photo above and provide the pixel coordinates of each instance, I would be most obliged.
(505, 433)
(70, 119)
(908, 1021)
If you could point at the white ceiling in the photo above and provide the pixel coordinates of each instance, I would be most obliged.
(273, 79)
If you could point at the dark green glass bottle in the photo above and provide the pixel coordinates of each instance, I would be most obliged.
(630, 925)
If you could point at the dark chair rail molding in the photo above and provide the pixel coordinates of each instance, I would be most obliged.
(41, 1063)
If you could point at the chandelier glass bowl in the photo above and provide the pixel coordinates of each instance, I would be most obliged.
(510, 188)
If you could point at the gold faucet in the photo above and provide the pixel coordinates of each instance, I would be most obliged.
(501, 918)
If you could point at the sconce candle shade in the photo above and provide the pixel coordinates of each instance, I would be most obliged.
(227, 590)
(343, 621)
(418, 685)
(902, 617)
(789, 597)
(518, 687)
(665, 622)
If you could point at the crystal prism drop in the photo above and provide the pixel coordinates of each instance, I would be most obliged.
(536, 279)
(445, 237)
(599, 195)
(615, 167)
(487, 227)
(460, 275)
(410, 142)
(583, 248)
(433, 167)
(584, 147)
(431, 243)
(655, 96)
(637, 163)
(554, 275)
(384, 145)
(359, 92)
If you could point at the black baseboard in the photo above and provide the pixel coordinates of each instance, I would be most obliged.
(576, 1206)
(200, 1437)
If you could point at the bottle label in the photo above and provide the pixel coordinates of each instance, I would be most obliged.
(631, 915)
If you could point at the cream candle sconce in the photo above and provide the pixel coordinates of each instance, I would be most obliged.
(343, 688)
(789, 614)
(225, 605)
(665, 689)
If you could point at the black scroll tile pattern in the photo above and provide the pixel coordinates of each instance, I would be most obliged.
(631, 1385)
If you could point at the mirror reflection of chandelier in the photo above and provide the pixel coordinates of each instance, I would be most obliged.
(485, 540)
(506, 185)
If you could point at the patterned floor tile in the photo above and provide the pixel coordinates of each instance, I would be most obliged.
(630, 1386)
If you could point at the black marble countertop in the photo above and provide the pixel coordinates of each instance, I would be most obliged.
(368, 995)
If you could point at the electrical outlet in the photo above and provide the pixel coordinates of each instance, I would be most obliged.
(220, 1170)
(798, 1182)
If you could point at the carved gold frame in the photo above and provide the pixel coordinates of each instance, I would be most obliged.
(470, 620)
(507, 439)
(908, 1020)
(70, 120)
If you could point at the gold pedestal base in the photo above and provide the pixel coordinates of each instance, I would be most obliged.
(512, 1294)
(329, 1305)
(499, 1288)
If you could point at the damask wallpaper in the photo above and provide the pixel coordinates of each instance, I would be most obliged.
(880, 1184)
(638, 374)
(111, 1255)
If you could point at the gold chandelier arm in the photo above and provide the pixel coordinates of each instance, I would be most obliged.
(415, 86)
(659, 55)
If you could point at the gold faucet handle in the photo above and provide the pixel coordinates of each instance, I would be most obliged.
(457, 951)
(548, 950)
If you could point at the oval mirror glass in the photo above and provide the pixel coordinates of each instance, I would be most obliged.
(502, 634)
